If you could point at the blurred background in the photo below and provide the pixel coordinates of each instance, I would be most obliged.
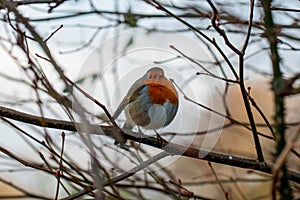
(103, 47)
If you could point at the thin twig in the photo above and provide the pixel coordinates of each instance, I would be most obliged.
(218, 180)
(60, 27)
(212, 41)
(124, 175)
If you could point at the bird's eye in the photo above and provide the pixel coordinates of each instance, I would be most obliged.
(151, 76)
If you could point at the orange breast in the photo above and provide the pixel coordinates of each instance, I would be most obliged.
(161, 90)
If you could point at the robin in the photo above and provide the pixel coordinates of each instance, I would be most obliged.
(151, 102)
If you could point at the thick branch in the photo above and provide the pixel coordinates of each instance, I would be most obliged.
(278, 85)
(171, 148)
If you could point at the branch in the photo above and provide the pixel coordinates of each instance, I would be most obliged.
(11, 8)
(219, 30)
(241, 53)
(190, 26)
(278, 85)
(171, 148)
(122, 176)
